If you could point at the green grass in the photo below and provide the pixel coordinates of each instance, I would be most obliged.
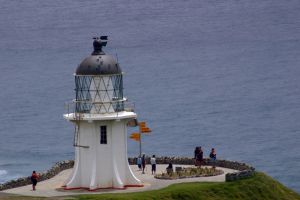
(260, 186)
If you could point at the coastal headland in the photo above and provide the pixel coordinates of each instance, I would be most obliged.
(53, 179)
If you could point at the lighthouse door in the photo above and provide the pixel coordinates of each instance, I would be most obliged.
(103, 135)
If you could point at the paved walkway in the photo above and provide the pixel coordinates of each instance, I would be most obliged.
(52, 187)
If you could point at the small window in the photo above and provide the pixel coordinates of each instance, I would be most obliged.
(103, 135)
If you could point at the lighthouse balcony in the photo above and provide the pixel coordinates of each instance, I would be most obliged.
(86, 110)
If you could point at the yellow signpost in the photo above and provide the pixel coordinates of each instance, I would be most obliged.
(138, 136)
(135, 136)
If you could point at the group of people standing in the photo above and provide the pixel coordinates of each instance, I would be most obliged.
(141, 162)
(198, 156)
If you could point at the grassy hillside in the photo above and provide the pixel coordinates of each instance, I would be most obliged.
(260, 186)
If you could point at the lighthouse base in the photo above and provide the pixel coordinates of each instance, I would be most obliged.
(104, 163)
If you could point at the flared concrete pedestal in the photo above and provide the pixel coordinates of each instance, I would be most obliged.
(102, 165)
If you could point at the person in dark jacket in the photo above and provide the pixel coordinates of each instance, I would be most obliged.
(196, 152)
(213, 157)
(169, 169)
(143, 163)
(198, 155)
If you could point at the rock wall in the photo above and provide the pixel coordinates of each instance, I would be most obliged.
(244, 169)
(54, 170)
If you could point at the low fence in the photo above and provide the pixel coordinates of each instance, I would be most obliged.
(244, 170)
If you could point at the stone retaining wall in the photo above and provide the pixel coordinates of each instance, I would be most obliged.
(244, 169)
(54, 170)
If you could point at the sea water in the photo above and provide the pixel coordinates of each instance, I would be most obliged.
(222, 74)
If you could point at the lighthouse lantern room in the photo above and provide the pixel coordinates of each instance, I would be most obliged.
(100, 120)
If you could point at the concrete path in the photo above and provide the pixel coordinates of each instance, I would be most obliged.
(52, 187)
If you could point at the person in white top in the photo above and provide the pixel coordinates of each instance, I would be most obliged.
(153, 164)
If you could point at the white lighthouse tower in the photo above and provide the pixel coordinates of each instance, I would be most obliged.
(100, 120)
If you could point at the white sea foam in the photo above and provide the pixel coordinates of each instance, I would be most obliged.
(3, 172)
(3, 176)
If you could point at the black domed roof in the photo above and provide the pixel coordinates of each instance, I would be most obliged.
(98, 63)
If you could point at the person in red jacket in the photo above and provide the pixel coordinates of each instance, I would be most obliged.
(34, 179)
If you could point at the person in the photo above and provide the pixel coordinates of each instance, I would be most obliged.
(198, 156)
(34, 179)
(139, 162)
(170, 168)
(143, 163)
(153, 164)
(196, 152)
(213, 157)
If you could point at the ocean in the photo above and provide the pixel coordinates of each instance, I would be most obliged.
(222, 74)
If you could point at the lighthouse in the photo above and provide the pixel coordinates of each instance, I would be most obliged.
(100, 118)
